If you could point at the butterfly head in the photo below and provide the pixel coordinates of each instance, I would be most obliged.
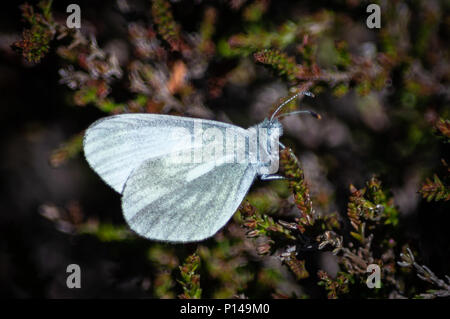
(273, 127)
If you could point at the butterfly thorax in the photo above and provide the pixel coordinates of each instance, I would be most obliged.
(267, 134)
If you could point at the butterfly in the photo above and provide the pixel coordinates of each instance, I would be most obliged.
(181, 179)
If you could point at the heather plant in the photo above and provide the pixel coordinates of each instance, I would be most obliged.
(383, 99)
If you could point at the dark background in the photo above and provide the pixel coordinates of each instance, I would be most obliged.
(36, 116)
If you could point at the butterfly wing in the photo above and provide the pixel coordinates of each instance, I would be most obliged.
(183, 202)
(114, 146)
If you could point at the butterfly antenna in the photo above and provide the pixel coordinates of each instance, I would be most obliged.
(307, 93)
(314, 114)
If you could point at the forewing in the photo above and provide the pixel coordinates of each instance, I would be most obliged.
(116, 145)
(184, 202)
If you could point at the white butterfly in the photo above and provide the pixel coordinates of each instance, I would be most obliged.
(185, 199)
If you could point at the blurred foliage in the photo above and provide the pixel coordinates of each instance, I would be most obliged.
(190, 280)
(390, 89)
(36, 40)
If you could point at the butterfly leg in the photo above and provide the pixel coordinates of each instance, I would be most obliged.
(267, 177)
(281, 145)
